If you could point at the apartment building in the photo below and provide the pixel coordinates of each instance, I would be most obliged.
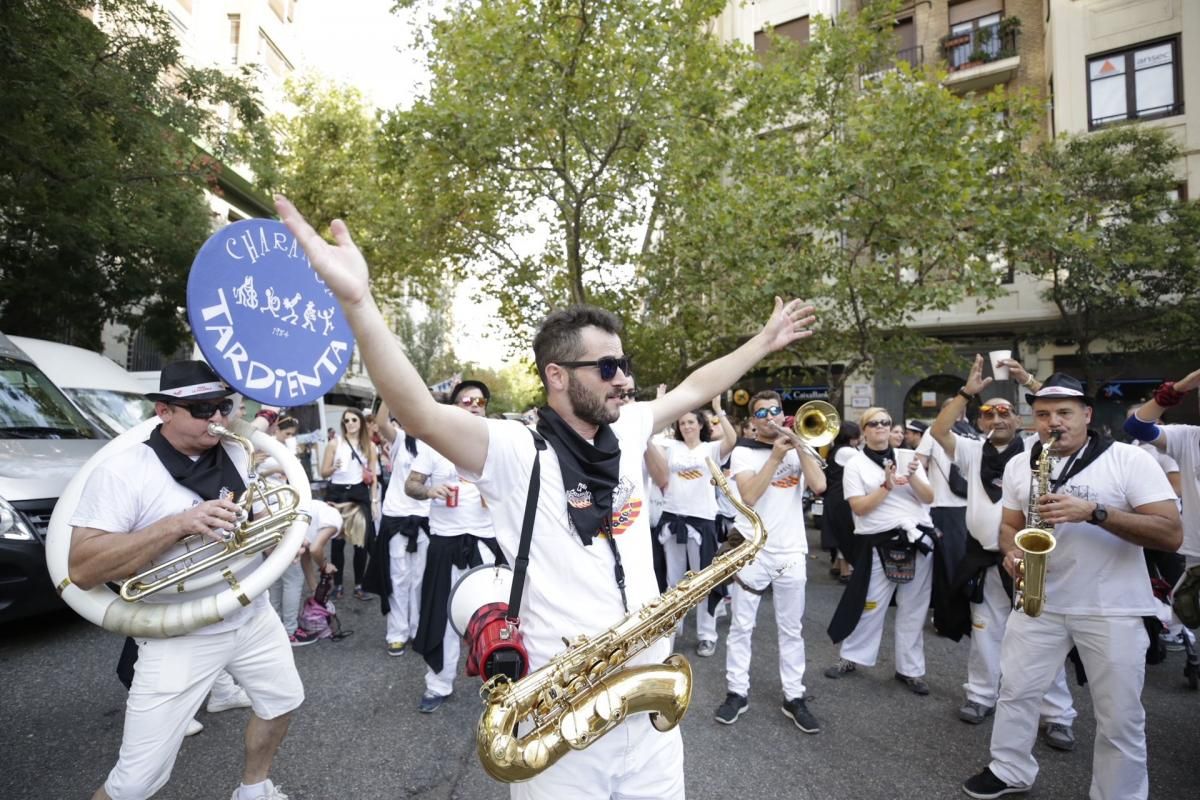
(1096, 62)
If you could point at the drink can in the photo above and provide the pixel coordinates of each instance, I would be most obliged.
(452, 500)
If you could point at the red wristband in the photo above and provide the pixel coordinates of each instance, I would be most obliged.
(1166, 395)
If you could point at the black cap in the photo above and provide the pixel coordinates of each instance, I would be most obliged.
(1059, 386)
(461, 385)
(189, 380)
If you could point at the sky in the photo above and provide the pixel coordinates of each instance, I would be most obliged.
(362, 44)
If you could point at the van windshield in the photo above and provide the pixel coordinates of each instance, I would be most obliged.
(115, 412)
(31, 407)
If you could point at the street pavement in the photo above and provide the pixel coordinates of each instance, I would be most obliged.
(359, 734)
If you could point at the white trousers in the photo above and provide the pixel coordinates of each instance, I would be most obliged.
(1113, 651)
(786, 573)
(988, 622)
(632, 762)
(170, 681)
(407, 571)
(681, 558)
(912, 610)
(285, 596)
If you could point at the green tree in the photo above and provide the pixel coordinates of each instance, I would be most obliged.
(108, 141)
(536, 155)
(1115, 248)
(878, 194)
(427, 340)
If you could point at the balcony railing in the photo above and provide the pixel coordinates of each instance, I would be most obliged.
(981, 45)
(915, 56)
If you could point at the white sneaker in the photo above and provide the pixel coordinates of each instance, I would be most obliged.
(273, 793)
(238, 699)
(194, 726)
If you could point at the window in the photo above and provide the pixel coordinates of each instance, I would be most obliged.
(235, 36)
(1142, 82)
(271, 56)
(793, 29)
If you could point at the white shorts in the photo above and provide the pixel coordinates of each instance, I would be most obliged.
(172, 678)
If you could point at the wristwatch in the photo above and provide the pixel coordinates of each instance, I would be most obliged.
(1099, 515)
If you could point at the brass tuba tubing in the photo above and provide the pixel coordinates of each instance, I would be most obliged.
(587, 690)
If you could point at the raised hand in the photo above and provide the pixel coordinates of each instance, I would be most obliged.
(788, 323)
(976, 383)
(340, 265)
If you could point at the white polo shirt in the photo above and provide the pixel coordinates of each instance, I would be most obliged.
(1183, 445)
(781, 505)
(132, 491)
(570, 588)
(863, 476)
(469, 514)
(1092, 571)
(690, 490)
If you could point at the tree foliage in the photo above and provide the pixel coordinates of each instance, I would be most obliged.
(1116, 249)
(536, 154)
(877, 196)
(108, 141)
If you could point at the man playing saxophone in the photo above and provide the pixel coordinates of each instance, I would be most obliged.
(1105, 502)
(590, 560)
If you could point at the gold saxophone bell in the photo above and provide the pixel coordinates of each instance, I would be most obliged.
(276, 507)
(1035, 542)
(587, 690)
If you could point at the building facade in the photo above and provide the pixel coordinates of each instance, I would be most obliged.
(1096, 62)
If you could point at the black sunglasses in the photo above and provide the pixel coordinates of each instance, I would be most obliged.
(628, 394)
(608, 365)
(206, 410)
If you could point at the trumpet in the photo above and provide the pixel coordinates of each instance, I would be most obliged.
(816, 424)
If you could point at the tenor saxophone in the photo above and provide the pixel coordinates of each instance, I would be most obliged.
(1035, 542)
(587, 691)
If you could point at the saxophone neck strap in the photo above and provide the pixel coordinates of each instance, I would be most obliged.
(522, 560)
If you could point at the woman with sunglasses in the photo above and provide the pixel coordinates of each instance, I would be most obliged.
(351, 464)
(688, 525)
(889, 496)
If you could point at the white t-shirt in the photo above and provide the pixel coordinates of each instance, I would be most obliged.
(781, 506)
(570, 589)
(863, 476)
(132, 491)
(351, 470)
(690, 492)
(1092, 571)
(983, 516)
(1183, 445)
(469, 515)
(396, 503)
(939, 472)
(324, 516)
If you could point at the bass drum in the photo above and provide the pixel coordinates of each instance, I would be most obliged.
(102, 606)
(477, 587)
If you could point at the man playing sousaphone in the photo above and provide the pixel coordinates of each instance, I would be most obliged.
(1105, 502)
(135, 509)
(590, 561)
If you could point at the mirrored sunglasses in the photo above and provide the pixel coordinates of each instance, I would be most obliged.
(767, 411)
(608, 365)
(472, 402)
(201, 410)
(992, 411)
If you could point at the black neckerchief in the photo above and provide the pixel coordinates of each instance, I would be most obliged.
(753, 444)
(590, 472)
(880, 457)
(1091, 450)
(992, 463)
(207, 476)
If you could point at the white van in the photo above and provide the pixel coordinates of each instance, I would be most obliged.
(44, 440)
(109, 396)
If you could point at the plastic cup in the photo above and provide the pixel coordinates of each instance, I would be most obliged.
(999, 371)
